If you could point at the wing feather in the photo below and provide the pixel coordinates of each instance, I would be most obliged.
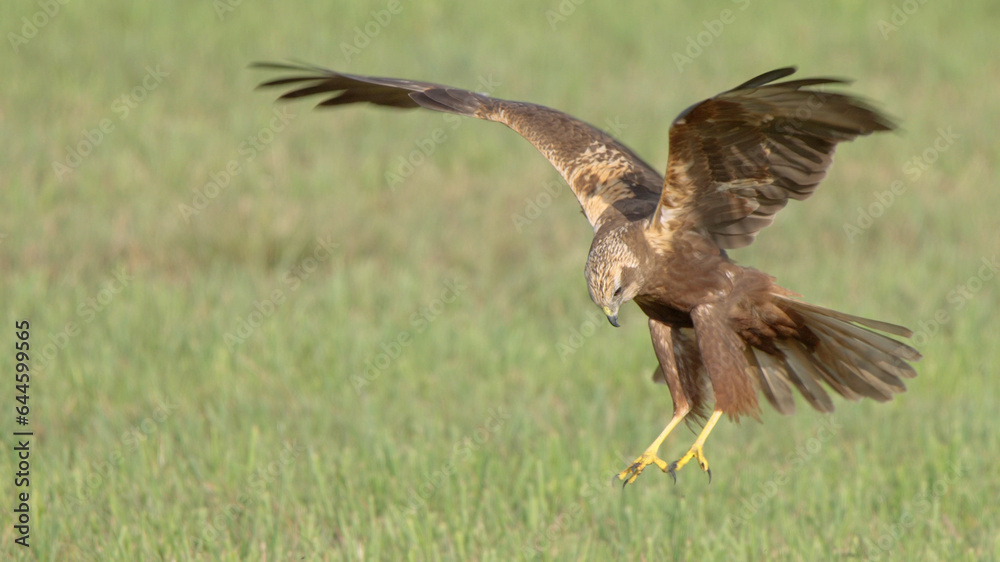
(736, 159)
(610, 181)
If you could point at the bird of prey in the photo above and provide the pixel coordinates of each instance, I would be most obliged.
(722, 333)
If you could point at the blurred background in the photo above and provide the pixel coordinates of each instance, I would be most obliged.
(263, 332)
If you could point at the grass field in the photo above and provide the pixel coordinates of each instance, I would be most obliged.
(248, 345)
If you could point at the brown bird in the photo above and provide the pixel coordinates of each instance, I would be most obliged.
(719, 330)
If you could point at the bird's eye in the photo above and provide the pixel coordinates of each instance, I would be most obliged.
(618, 292)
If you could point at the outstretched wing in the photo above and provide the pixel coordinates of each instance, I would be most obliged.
(737, 158)
(608, 179)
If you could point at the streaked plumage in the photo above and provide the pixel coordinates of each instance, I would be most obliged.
(719, 330)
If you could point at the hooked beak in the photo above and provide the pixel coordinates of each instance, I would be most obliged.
(612, 315)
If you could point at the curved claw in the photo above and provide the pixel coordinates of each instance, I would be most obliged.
(672, 471)
(695, 453)
(629, 474)
(635, 469)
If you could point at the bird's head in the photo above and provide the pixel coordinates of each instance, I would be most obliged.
(613, 274)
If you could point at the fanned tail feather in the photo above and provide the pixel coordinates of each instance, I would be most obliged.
(845, 354)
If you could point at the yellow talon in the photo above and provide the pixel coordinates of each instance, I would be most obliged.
(695, 452)
(649, 457)
(635, 469)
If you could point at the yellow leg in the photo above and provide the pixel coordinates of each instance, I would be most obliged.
(696, 452)
(649, 456)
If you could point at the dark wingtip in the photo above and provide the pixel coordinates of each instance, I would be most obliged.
(305, 73)
(291, 65)
(269, 65)
(769, 76)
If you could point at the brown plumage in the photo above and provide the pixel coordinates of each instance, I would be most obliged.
(719, 330)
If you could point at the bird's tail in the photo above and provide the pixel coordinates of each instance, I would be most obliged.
(841, 350)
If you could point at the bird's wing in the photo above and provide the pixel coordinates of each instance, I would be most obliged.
(737, 158)
(608, 179)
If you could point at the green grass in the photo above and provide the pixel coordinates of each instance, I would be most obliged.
(168, 427)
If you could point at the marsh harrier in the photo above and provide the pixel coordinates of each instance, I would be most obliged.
(722, 333)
